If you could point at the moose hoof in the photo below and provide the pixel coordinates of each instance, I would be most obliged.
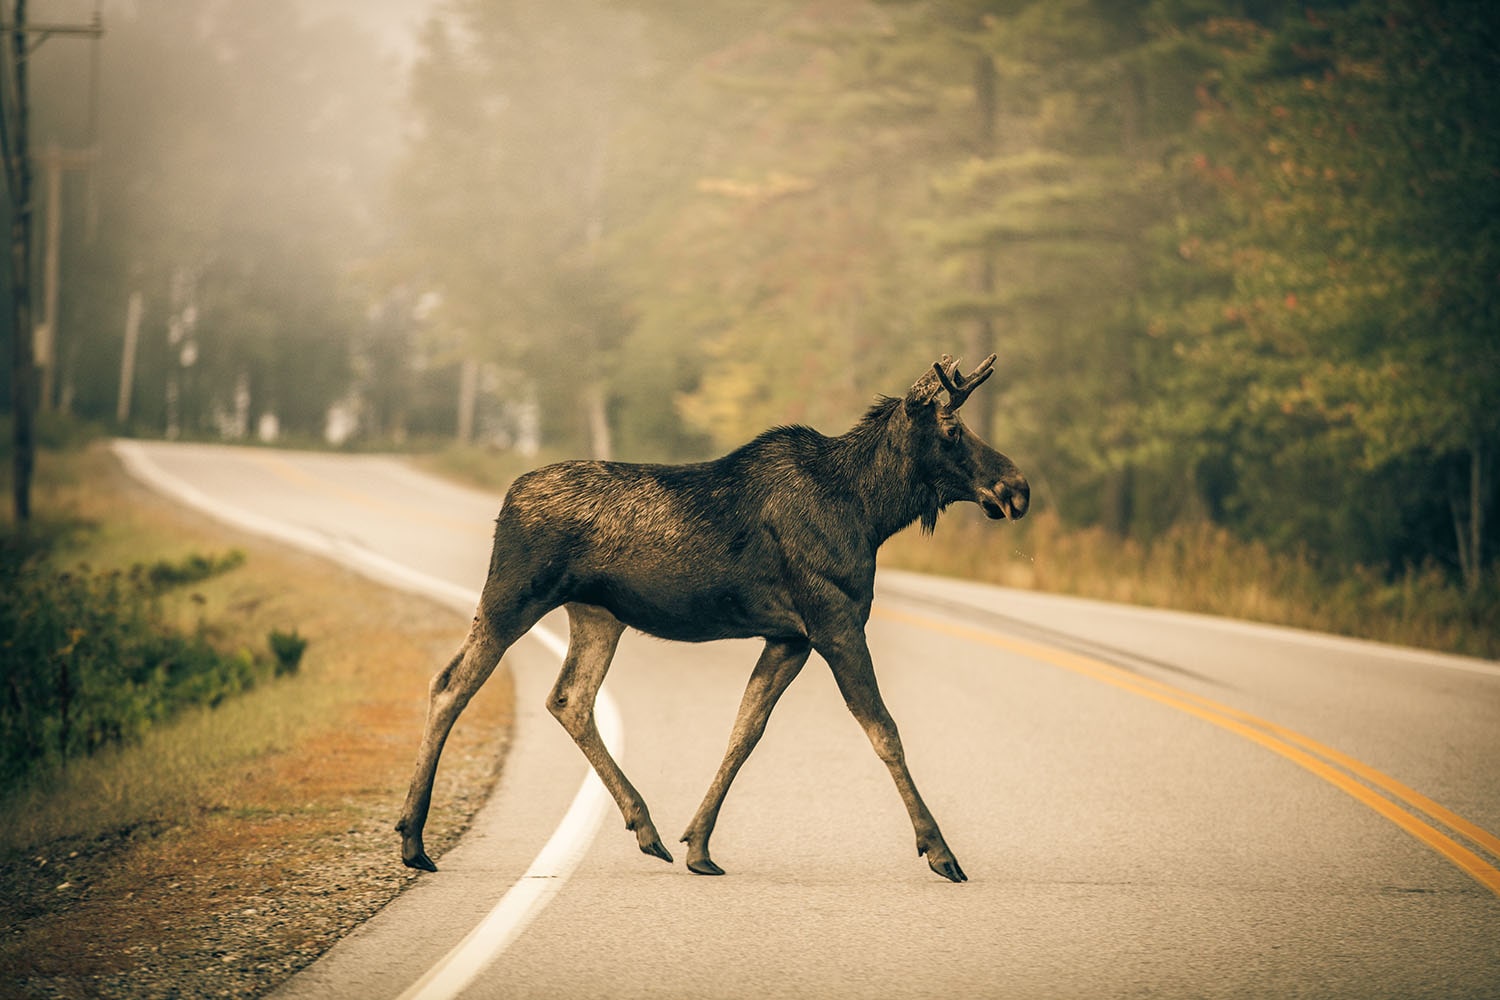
(948, 868)
(418, 860)
(704, 866)
(657, 850)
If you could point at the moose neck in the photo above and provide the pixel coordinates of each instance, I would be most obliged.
(875, 460)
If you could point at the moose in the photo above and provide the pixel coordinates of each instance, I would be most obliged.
(775, 540)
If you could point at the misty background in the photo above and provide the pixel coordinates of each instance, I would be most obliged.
(1239, 260)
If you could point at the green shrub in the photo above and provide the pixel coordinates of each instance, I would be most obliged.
(163, 575)
(88, 660)
(287, 647)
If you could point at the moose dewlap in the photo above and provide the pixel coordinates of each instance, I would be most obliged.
(775, 540)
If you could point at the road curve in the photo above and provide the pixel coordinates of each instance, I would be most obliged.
(1145, 802)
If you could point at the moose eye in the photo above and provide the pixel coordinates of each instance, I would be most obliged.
(950, 431)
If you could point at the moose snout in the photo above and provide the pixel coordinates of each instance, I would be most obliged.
(1008, 498)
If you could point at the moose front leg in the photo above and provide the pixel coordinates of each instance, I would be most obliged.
(778, 666)
(593, 634)
(849, 658)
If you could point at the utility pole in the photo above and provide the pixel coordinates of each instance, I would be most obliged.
(54, 161)
(15, 139)
(18, 180)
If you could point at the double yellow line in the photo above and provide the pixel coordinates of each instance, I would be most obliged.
(1334, 767)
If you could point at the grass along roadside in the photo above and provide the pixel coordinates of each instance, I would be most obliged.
(233, 845)
(1203, 568)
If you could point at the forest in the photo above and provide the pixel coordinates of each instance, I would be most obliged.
(1239, 259)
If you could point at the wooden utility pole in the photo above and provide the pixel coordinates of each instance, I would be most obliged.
(18, 177)
(53, 161)
(15, 138)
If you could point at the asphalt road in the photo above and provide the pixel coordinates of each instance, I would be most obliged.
(1146, 803)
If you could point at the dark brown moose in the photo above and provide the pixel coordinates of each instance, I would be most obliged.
(775, 540)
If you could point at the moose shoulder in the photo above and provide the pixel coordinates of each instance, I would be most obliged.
(776, 540)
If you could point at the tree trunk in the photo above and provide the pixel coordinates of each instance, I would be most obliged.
(595, 401)
(981, 339)
(133, 314)
(468, 398)
(1469, 531)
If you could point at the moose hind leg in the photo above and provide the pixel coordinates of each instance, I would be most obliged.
(778, 666)
(448, 694)
(593, 634)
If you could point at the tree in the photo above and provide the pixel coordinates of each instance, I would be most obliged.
(1354, 150)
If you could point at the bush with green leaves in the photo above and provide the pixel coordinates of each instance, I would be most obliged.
(88, 659)
(287, 647)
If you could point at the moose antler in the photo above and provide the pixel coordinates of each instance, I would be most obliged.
(957, 385)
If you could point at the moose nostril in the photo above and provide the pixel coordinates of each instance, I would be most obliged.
(1015, 497)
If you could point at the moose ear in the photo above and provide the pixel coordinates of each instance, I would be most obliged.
(926, 390)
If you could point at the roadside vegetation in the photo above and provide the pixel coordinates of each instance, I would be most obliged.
(89, 660)
(1204, 568)
(213, 847)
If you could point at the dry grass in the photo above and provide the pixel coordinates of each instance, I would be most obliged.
(234, 845)
(1200, 567)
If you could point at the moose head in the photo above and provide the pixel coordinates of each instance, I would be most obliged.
(953, 460)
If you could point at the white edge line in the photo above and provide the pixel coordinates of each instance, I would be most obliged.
(566, 847)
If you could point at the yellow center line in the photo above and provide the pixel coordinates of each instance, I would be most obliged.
(1289, 744)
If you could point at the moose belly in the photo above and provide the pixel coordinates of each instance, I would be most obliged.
(677, 607)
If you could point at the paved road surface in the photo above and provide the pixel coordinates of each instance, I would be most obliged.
(1146, 803)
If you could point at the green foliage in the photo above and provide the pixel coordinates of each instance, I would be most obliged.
(88, 660)
(502, 198)
(1341, 342)
(164, 574)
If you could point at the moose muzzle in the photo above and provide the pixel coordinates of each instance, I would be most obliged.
(1008, 498)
